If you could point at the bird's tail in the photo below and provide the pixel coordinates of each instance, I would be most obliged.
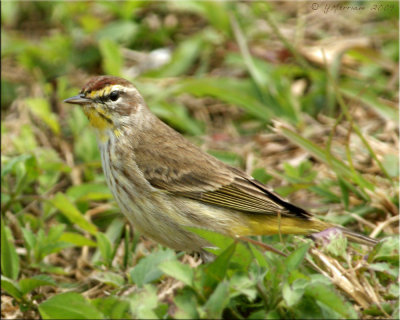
(358, 238)
(269, 224)
(325, 229)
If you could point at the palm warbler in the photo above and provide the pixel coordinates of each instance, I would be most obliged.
(162, 182)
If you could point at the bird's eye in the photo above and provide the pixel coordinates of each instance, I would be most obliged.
(114, 96)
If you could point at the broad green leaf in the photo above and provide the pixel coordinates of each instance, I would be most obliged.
(231, 158)
(77, 239)
(162, 310)
(178, 270)
(41, 108)
(186, 301)
(233, 91)
(29, 238)
(310, 308)
(385, 268)
(105, 247)
(261, 175)
(51, 269)
(391, 164)
(123, 10)
(110, 278)
(218, 300)
(217, 13)
(68, 209)
(215, 271)
(292, 293)
(386, 250)
(376, 311)
(260, 314)
(394, 290)
(114, 230)
(218, 242)
(113, 307)
(327, 296)
(47, 247)
(241, 284)
(177, 116)
(324, 191)
(293, 261)
(147, 269)
(11, 287)
(42, 244)
(260, 258)
(119, 31)
(182, 58)
(26, 171)
(69, 305)
(55, 232)
(112, 57)
(90, 23)
(85, 146)
(273, 315)
(89, 191)
(243, 256)
(29, 284)
(113, 235)
(143, 303)
(9, 165)
(9, 257)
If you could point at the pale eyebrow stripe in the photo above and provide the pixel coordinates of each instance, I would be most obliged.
(121, 88)
(99, 94)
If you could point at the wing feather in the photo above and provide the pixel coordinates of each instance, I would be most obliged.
(184, 170)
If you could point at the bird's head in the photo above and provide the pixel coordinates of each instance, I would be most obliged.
(109, 102)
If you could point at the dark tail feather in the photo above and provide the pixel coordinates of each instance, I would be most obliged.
(326, 228)
(359, 238)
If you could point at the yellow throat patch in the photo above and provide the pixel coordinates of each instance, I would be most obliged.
(97, 116)
(97, 119)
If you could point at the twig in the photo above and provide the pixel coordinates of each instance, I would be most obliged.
(362, 220)
(338, 278)
(263, 245)
(383, 225)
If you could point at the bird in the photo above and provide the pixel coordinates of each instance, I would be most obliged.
(163, 183)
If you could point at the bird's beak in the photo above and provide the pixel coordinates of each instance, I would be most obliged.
(79, 99)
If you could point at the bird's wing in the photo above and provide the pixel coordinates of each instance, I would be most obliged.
(249, 195)
(184, 170)
(244, 194)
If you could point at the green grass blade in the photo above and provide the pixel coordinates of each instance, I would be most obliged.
(336, 164)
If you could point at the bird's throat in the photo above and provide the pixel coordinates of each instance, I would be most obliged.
(97, 119)
(100, 122)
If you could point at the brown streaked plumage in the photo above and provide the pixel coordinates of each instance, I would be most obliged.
(175, 168)
(162, 182)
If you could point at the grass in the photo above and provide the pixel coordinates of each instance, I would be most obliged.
(246, 83)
